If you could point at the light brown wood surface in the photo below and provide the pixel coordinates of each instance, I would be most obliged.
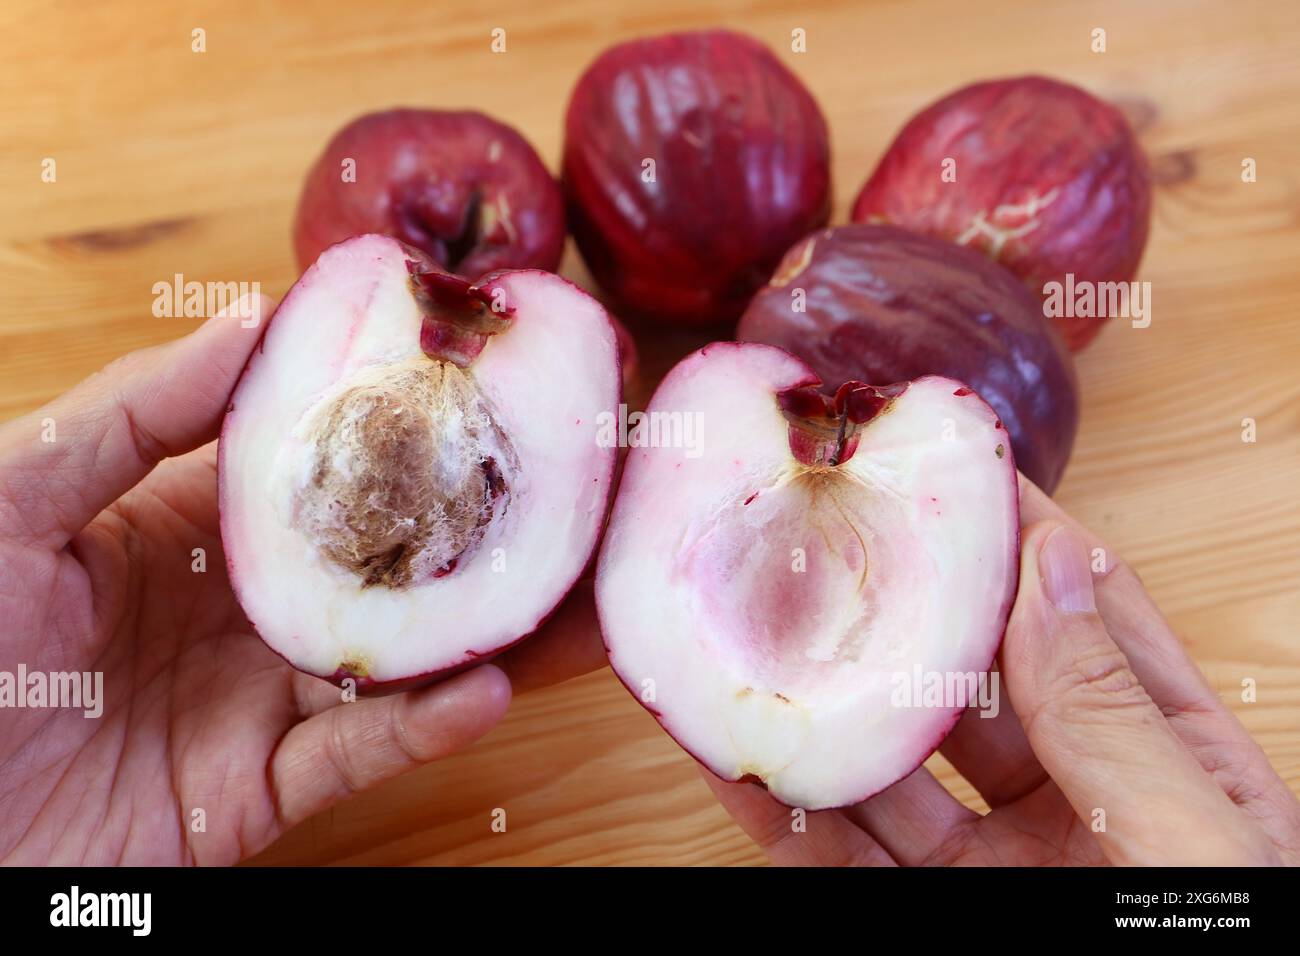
(171, 161)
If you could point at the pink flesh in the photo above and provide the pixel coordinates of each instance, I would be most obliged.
(356, 307)
(908, 553)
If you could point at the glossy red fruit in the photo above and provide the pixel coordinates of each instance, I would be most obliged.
(460, 186)
(691, 162)
(1049, 180)
(882, 304)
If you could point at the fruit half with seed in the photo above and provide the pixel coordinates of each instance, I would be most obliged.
(767, 590)
(409, 473)
(465, 189)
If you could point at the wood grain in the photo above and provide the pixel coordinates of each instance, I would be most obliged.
(171, 161)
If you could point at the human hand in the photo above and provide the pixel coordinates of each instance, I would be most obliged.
(97, 573)
(1113, 717)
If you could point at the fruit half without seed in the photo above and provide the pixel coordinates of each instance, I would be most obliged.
(409, 474)
(767, 593)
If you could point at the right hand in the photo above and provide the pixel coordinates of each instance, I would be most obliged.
(1109, 721)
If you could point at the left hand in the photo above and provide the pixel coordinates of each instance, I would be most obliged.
(98, 531)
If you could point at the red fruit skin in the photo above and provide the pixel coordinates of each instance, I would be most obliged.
(1019, 142)
(628, 357)
(887, 305)
(460, 186)
(741, 165)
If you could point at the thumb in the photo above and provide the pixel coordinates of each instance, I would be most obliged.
(65, 463)
(1096, 731)
(354, 746)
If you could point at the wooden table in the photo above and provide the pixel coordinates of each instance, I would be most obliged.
(173, 161)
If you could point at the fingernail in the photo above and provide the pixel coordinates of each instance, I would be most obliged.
(1067, 579)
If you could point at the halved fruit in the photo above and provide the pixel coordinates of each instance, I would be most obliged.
(765, 591)
(410, 479)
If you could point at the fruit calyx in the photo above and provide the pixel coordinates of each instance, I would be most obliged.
(824, 429)
(450, 236)
(459, 317)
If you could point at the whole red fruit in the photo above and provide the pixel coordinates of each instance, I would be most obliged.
(460, 186)
(880, 304)
(1049, 180)
(691, 163)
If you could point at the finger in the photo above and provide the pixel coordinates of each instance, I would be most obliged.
(1097, 732)
(916, 820)
(1135, 623)
(567, 645)
(991, 750)
(65, 463)
(794, 837)
(313, 695)
(1198, 716)
(993, 753)
(355, 746)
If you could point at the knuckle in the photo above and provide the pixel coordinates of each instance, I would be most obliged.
(1098, 680)
(776, 834)
(1120, 572)
(338, 754)
(783, 844)
(121, 369)
(149, 448)
(958, 844)
(400, 733)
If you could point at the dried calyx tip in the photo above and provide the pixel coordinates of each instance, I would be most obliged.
(459, 317)
(824, 428)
